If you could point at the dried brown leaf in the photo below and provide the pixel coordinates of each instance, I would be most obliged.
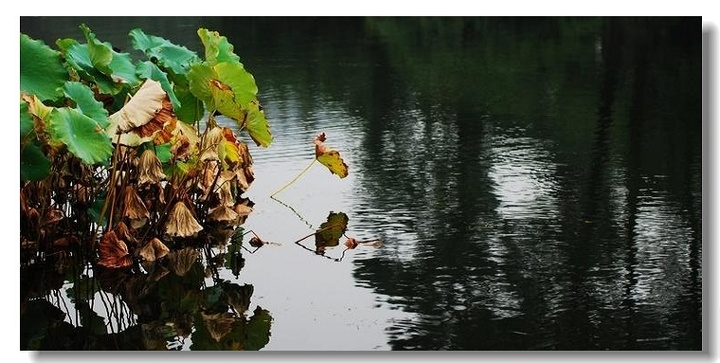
(181, 222)
(154, 250)
(149, 168)
(112, 252)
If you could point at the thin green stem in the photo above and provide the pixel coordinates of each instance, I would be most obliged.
(294, 179)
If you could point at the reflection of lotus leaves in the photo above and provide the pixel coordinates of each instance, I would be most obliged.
(181, 261)
(237, 296)
(218, 325)
(329, 233)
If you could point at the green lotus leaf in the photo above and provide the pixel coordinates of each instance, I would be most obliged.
(83, 136)
(27, 124)
(192, 108)
(225, 87)
(217, 47)
(123, 69)
(241, 81)
(330, 231)
(78, 57)
(149, 70)
(86, 103)
(170, 56)
(163, 152)
(99, 52)
(34, 165)
(41, 69)
(257, 125)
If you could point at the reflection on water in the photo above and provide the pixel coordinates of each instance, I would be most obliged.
(536, 183)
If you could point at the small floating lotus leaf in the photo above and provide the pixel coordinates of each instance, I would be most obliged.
(223, 213)
(180, 262)
(330, 158)
(219, 324)
(181, 222)
(329, 233)
(154, 250)
(134, 206)
(149, 168)
(113, 252)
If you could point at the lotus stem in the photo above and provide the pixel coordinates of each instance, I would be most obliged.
(294, 179)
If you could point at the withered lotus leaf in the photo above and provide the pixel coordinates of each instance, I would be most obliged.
(210, 144)
(223, 213)
(113, 252)
(149, 168)
(141, 108)
(52, 216)
(219, 324)
(180, 262)
(329, 157)
(181, 149)
(123, 233)
(135, 209)
(242, 209)
(154, 250)
(143, 117)
(181, 222)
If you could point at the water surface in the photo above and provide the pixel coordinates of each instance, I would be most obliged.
(535, 182)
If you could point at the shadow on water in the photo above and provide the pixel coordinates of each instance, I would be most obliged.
(536, 183)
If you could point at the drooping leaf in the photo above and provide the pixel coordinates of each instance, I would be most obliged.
(113, 252)
(154, 250)
(34, 165)
(181, 222)
(239, 80)
(330, 231)
(41, 69)
(148, 70)
(329, 157)
(170, 56)
(86, 103)
(257, 126)
(83, 136)
(217, 47)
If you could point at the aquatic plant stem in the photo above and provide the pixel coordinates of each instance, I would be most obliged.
(294, 179)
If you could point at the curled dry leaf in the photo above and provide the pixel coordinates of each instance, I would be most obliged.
(154, 250)
(210, 144)
(66, 241)
(181, 148)
(113, 252)
(243, 209)
(144, 116)
(123, 233)
(223, 213)
(135, 209)
(149, 168)
(181, 222)
(329, 157)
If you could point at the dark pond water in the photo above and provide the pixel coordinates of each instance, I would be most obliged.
(536, 183)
